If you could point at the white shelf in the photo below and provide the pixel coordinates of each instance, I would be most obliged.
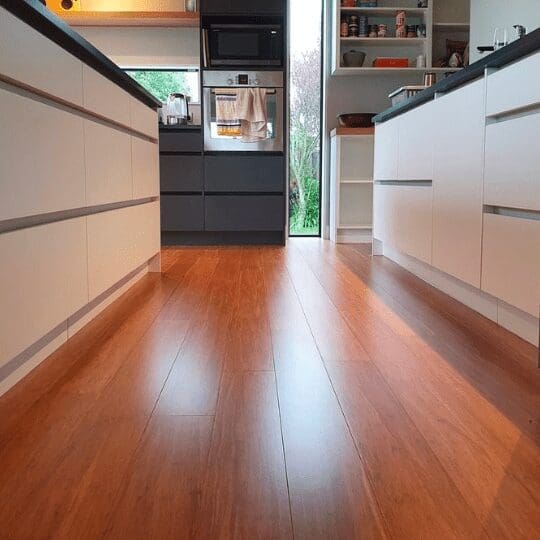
(385, 11)
(374, 70)
(358, 181)
(356, 227)
(452, 26)
(386, 41)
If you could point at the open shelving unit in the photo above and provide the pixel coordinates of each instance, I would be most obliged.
(351, 187)
(131, 18)
(441, 20)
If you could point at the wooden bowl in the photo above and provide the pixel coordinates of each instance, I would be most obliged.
(356, 120)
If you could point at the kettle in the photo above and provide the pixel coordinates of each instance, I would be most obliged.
(176, 109)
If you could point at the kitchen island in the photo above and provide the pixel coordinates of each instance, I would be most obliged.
(457, 193)
(79, 188)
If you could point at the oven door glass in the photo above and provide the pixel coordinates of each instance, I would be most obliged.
(223, 140)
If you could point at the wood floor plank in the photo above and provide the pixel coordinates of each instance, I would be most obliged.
(245, 494)
(164, 482)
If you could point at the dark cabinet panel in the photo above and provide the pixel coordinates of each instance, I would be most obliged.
(244, 173)
(182, 212)
(177, 141)
(181, 173)
(244, 212)
(243, 6)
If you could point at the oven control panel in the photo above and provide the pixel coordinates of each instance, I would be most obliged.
(265, 79)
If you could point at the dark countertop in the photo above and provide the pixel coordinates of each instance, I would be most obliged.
(512, 52)
(36, 15)
(189, 127)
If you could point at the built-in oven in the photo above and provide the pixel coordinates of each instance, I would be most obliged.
(243, 44)
(224, 129)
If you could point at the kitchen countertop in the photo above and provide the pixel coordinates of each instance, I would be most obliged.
(512, 52)
(36, 15)
(189, 127)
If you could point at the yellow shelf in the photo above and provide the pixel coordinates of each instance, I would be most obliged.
(131, 18)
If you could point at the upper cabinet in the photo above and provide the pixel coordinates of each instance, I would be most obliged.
(245, 7)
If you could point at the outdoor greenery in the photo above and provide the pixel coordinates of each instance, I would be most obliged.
(305, 131)
(161, 83)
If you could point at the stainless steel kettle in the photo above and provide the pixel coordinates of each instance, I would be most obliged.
(177, 109)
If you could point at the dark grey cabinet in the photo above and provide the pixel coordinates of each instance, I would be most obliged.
(182, 213)
(244, 173)
(178, 141)
(243, 6)
(244, 212)
(181, 173)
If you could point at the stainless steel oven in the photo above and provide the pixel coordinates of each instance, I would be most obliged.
(243, 44)
(224, 84)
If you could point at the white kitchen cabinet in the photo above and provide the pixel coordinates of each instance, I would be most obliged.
(515, 87)
(402, 218)
(29, 57)
(43, 280)
(514, 182)
(105, 98)
(108, 164)
(386, 150)
(457, 182)
(145, 166)
(143, 118)
(119, 241)
(511, 261)
(41, 158)
(415, 147)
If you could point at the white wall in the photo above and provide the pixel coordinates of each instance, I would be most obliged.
(132, 47)
(486, 15)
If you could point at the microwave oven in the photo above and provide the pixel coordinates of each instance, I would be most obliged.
(243, 45)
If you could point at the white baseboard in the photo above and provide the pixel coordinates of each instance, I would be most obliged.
(516, 321)
(17, 368)
(354, 237)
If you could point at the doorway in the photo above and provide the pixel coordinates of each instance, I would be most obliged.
(305, 116)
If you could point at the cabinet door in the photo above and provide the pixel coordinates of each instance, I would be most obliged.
(386, 150)
(415, 147)
(177, 141)
(511, 261)
(144, 160)
(244, 173)
(257, 6)
(181, 173)
(215, 6)
(457, 183)
(403, 218)
(182, 213)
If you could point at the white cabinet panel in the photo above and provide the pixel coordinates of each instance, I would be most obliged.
(41, 158)
(43, 280)
(514, 86)
(403, 218)
(143, 118)
(145, 165)
(512, 164)
(457, 183)
(511, 261)
(119, 241)
(415, 148)
(105, 98)
(108, 164)
(29, 57)
(386, 150)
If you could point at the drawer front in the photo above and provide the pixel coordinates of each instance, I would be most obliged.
(181, 173)
(403, 218)
(41, 163)
(511, 261)
(180, 142)
(415, 146)
(514, 86)
(385, 165)
(105, 98)
(244, 213)
(182, 213)
(29, 57)
(246, 173)
(144, 159)
(143, 118)
(512, 166)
